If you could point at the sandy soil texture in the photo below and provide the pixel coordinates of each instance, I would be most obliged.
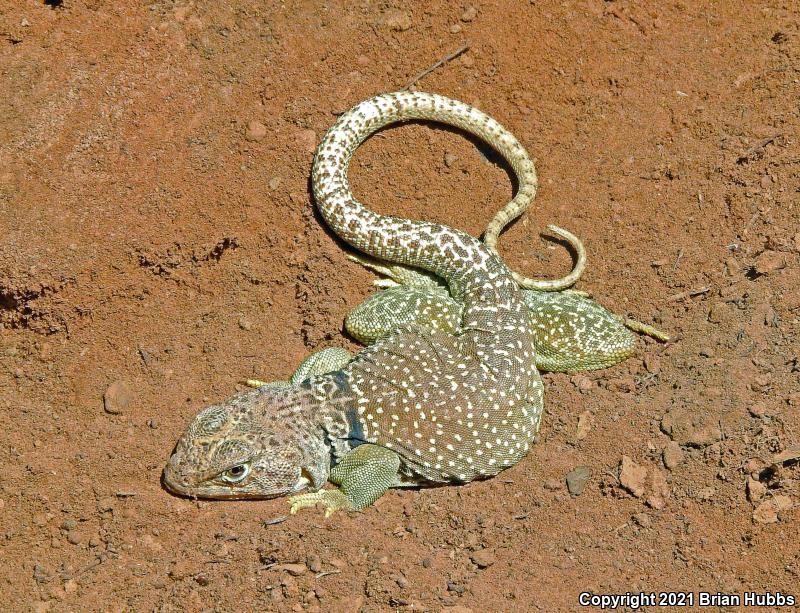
(158, 244)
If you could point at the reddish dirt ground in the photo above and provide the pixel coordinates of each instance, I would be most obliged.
(149, 241)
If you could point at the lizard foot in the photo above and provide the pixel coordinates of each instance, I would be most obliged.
(332, 500)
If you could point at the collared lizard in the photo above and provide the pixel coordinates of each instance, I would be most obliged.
(419, 406)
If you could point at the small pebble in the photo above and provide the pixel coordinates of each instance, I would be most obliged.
(585, 422)
(467, 61)
(577, 479)
(69, 524)
(256, 131)
(245, 324)
(450, 159)
(294, 569)
(455, 28)
(755, 490)
(74, 537)
(274, 183)
(456, 588)
(469, 14)
(314, 563)
(427, 562)
(483, 558)
(759, 409)
(398, 20)
(672, 455)
(117, 397)
(643, 520)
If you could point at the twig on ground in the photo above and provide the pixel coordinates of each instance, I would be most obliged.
(444, 60)
(687, 294)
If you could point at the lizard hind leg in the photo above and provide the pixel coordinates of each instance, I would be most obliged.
(384, 312)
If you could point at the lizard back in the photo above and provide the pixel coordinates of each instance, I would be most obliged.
(455, 407)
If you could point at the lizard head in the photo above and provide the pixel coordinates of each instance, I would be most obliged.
(256, 445)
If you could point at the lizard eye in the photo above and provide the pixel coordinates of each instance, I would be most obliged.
(235, 474)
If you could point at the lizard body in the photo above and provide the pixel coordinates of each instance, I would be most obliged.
(419, 406)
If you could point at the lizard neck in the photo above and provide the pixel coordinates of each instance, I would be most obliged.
(335, 406)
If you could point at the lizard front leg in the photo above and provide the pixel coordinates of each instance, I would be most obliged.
(363, 475)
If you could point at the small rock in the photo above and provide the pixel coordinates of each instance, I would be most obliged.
(69, 524)
(483, 558)
(294, 569)
(469, 14)
(467, 61)
(707, 352)
(74, 537)
(672, 455)
(314, 563)
(274, 183)
(245, 324)
(577, 479)
(632, 476)
(456, 588)
(117, 397)
(759, 409)
(450, 159)
(755, 490)
(643, 520)
(455, 28)
(767, 511)
(363, 60)
(397, 20)
(769, 261)
(426, 562)
(585, 421)
(256, 131)
(70, 586)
